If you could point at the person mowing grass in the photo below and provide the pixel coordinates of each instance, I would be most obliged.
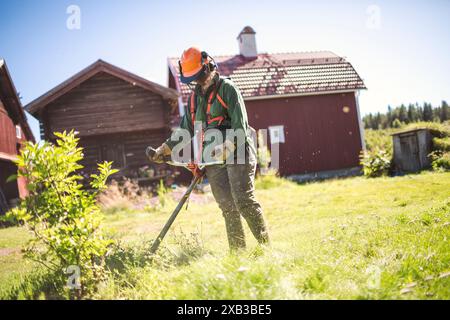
(216, 106)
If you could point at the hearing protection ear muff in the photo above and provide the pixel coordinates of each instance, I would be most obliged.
(210, 65)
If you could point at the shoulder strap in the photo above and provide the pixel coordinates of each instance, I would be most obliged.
(219, 98)
(215, 94)
(193, 102)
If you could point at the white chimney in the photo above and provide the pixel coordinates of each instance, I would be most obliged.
(247, 42)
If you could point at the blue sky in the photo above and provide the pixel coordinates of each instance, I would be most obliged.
(400, 48)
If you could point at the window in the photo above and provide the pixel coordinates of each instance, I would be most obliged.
(115, 153)
(18, 132)
(276, 134)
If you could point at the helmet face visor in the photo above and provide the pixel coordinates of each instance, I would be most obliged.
(187, 77)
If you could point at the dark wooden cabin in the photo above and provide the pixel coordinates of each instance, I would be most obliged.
(117, 115)
(14, 132)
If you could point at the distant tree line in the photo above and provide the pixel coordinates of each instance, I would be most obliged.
(396, 117)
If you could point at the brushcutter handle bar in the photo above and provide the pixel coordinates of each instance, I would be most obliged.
(150, 153)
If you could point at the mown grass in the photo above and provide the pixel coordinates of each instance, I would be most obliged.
(355, 238)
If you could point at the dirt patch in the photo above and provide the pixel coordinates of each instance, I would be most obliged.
(146, 228)
(196, 197)
(8, 251)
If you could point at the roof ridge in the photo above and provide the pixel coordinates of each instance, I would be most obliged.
(272, 53)
(87, 73)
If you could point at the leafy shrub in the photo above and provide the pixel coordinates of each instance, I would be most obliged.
(378, 139)
(64, 218)
(8, 220)
(397, 124)
(162, 193)
(375, 163)
(442, 144)
(440, 160)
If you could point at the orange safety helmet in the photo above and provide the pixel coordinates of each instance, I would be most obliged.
(193, 64)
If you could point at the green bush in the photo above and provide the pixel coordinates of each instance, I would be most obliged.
(375, 163)
(378, 139)
(8, 220)
(397, 124)
(162, 193)
(440, 160)
(442, 144)
(63, 217)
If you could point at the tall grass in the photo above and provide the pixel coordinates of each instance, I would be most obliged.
(385, 238)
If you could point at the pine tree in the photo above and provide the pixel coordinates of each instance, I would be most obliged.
(402, 115)
(445, 112)
(377, 121)
(389, 116)
(412, 113)
(427, 112)
(419, 112)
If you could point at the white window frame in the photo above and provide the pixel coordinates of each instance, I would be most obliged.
(18, 132)
(277, 134)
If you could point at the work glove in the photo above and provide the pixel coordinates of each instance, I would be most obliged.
(222, 151)
(196, 171)
(161, 152)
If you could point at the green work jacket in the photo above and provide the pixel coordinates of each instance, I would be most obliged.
(234, 115)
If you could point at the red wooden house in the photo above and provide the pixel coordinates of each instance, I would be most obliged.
(14, 132)
(308, 102)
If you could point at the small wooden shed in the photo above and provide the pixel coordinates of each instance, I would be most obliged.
(411, 149)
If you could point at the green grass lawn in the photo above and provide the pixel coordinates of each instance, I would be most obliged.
(355, 238)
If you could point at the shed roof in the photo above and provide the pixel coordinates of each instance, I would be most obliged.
(99, 66)
(271, 75)
(11, 100)
(410, 131)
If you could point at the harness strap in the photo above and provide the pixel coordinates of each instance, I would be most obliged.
(208, 109)
(221, 101)
(214, 93)
(193, 100)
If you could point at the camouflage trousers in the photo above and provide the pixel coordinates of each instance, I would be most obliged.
(233, 188)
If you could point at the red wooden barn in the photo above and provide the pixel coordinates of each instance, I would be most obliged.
(116, 113)
(307, 101)
(14, 131)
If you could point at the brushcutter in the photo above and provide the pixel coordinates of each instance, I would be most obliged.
(150, 152)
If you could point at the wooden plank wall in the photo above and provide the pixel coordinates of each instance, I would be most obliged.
(7, 134)
(129, 148)
(320, 133)
(103, 105)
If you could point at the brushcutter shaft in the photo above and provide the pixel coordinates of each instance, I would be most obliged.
(173, 216)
